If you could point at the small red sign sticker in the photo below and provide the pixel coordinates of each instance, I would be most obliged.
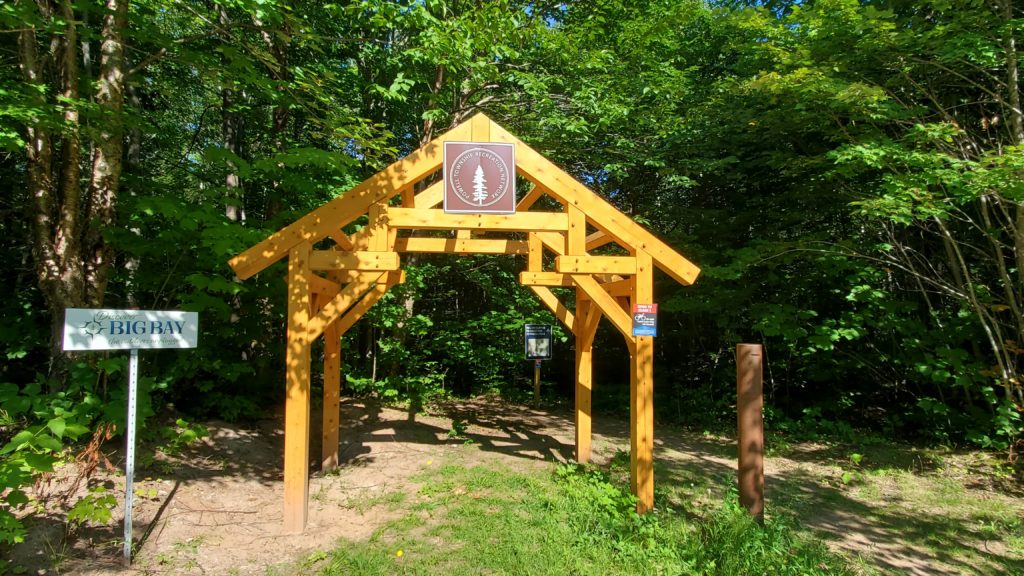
(479, 178)
(645, 320)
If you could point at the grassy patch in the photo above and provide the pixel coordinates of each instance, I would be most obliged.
(575, 520)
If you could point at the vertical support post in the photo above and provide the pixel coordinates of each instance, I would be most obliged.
(129, 458)
(641, 395)
(587, 317)
(332, 397)
(296, 408)
(750, 427)
(536, 383)
(535, 258)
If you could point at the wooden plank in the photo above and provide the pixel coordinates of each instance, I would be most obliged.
(623, 322)
(335, 214)
(596, 264)
(642, 396)
(335, 260)
(619, 288)
(408, 196)
(457, 246)
(530, 199)
(557, 308)
(439, 220)
(586, 328)
(576, 237)
(599, 212)
(545, 279)
(342, 277)
(464, 234)
(348, 296)
(342, 240)
(553, 241)
(480, 127)
(296, 409)
(535, 260)
(332, 398)
(598, 239)
(377, 235)
(432, 197)
(321, 285)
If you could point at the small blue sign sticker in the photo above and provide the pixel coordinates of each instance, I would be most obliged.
(645, 320)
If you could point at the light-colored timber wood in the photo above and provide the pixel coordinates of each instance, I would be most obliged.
(600, 213)
(598, 239)
(464, 234)
(432, 197)
(623, 322)
(348, 296)
(321, 285)
(545, 279)
(595, 264)
(342, 241)
(535, 261)
(557, 308)
(553, 241)
(408, 196)
(642, 396)
(332, 397)
(339, 212)
(378, 228)
(296, 410)
(480, 128)
(342, 277)
(335, 260)
(576, 237)
(530, 199)
(618, 288)
(461, 246)
(439, 220)
(586, 328)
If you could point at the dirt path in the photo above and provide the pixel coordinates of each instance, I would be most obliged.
(218, 510)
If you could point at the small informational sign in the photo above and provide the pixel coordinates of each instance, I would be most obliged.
(645, 320)
(91, 329)
(86, 329)
(479, 178)
(538, 341)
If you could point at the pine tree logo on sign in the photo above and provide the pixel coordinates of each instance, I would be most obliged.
(479, 178)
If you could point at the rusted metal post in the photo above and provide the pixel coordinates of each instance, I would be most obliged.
(536, 383)
(750, 427)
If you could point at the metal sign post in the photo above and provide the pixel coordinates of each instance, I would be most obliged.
(86, 329)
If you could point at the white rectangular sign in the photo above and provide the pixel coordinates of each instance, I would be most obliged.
(90, 329)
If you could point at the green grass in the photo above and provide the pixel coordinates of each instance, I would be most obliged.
(565, 520)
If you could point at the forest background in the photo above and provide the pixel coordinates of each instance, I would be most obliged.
(847, 174)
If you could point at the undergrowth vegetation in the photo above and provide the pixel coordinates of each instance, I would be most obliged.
(576, 520)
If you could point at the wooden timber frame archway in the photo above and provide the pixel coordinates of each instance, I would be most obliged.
(330, 289)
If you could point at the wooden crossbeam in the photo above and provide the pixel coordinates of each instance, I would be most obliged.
(431, 197)
(598, 239)
(367, 301)
(321, 285)
(619, 318)
(545, 279)
(439, 220)
(335, 260)
(342, 240)
(596, 264)
(618, 288)
(557, 308)
(553, 241)
(600, 213)
(530, 199)
(461, 246)
(339, 212)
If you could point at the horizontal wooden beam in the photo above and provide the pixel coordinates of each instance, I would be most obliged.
(439, 220)
(342, 277)
(344, 209)
(557, 308)
(595, 264)
(336, 260)
(598, 239)
(461, 245)
(545, 279)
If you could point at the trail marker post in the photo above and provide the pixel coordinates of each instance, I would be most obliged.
(750, 427)
(92, 330)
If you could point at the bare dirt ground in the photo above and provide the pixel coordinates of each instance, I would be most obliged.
(218, 508)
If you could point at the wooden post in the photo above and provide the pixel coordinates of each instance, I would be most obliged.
(296, 410)
(536, 383)
(641, 395)
(332, 397)
(750, 427)
(588, 315)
